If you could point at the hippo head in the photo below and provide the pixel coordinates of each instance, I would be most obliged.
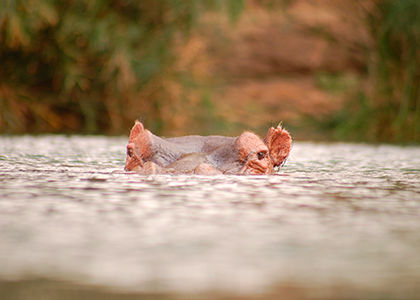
(246, 154)
(252, 156)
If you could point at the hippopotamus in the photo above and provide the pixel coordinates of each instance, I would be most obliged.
(207, 155)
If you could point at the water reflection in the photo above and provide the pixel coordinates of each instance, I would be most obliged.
(336, 215)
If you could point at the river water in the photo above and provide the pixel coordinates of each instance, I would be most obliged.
(338, 220)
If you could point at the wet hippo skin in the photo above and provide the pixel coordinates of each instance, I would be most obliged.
(206, 155)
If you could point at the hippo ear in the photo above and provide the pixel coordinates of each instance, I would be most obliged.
(135, 131)
(279, 143)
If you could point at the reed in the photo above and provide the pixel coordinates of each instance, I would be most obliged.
(389, 110)
(93, 65)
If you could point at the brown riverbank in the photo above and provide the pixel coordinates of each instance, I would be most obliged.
(313, 65)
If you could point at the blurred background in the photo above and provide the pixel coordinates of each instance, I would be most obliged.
(329, 70)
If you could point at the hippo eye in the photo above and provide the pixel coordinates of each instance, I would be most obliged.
(261, 155)
(129, 152)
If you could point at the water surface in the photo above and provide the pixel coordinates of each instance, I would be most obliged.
(338, 220)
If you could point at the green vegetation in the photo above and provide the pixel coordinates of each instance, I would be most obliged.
(390, 109)
(93, 65)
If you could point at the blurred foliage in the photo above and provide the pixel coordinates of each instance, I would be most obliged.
(93, 65)
(389, 110)
(337, 83)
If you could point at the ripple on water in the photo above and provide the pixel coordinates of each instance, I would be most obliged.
(336, 214)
